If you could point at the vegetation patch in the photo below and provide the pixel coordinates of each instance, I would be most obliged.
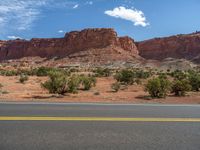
(23, 78)
(158, 87)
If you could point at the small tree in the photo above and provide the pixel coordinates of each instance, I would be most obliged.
(23, 78)
(10, 73)
(179, 75)
(57, 83)
(116, 86)
(158, 87)
(102, 72)
(42, 71)
(73, 84)
(180, 87)
(194, 80)
(125, 76)
(142, 74)
(88, 82)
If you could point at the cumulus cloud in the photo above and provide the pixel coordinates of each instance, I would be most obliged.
(60, 31)
(75, 6)
(133, 15)
(89, 3)
(12, 37)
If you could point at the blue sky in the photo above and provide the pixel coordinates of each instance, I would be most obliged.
(140, 19)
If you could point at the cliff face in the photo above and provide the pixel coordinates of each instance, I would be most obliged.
(73, 42)
(180, 46)
(103, 45)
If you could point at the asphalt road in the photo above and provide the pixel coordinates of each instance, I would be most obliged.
(99, 135)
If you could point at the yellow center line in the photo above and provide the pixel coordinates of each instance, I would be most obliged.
(109, 119)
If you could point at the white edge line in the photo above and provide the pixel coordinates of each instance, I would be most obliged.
(100, 104)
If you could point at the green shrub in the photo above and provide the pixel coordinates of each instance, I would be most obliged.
(60, 83)
(57, 83)
(125, 76)
(73, 70)
(8, 72)
(4, 92)
(88, 82)
(180, 87)
(138, 81)
(43, 71)
(158, 87)
(162, 76)
(116, 86)
(1, 85)
(73, 84)
(179, 75)
(102, 72)
(194, 80)
(142, 74)
(23, 78)
(97, 93)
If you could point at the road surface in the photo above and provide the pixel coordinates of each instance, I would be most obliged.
(32, 126)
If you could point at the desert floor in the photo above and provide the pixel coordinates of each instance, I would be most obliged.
(13, 91)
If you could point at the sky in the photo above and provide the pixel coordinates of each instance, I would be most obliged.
(139, 19)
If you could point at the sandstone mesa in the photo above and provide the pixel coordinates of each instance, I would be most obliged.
(103, 45)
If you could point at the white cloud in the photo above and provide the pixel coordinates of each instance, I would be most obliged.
(12, 37)
(133, 15)
(60, 31)
(89, 3)
(75, 6)
(19, 14)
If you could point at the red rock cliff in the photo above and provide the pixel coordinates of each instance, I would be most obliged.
(73, 42)
(180, 46)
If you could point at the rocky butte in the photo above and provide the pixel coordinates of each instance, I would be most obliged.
(183, 46)
(100, 44)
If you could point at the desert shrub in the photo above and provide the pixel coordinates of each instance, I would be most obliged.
(57, 83)
(138, 81)
(29, 72)
(162, 75)
(179, 75)
(158, 87)
(168, 70)
(142, 74)
(60, 83)
(180, 87)
(97, 93)
(73, 84)
(73, 70)
(125, 76)
(8, 72)
(88, 82)
(116, 86)
(43, 71)
(102, 72)
(23, 78)
(4, 92)
(1, 85)
(194, 80)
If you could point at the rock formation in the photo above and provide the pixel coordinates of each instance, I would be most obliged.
(102, 43)
(179, 47)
